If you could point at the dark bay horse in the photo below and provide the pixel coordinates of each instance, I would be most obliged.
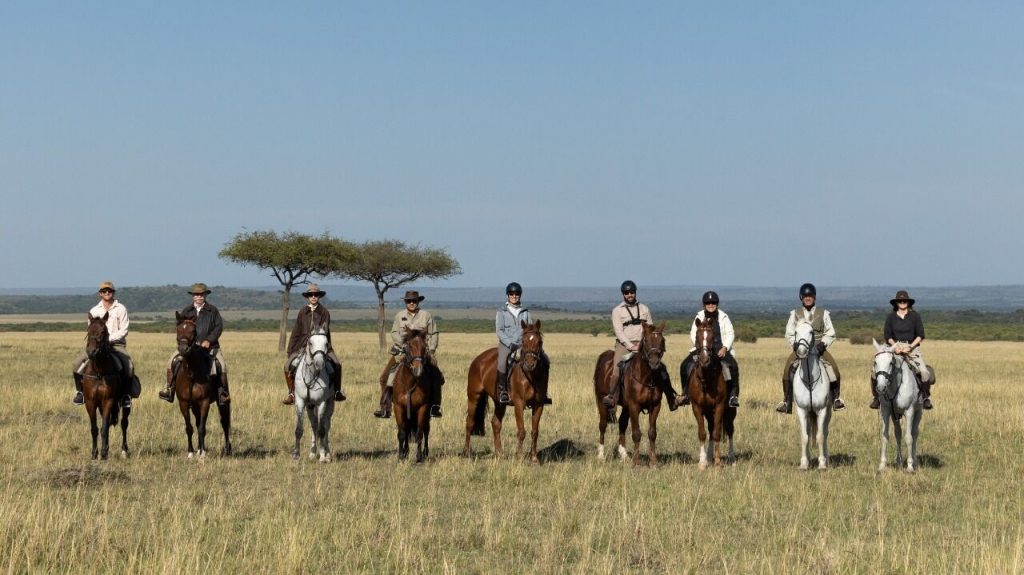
(196, 389)
(102, 387)
(709, 396)
(411, 396)
(528, 386)
(640, 392)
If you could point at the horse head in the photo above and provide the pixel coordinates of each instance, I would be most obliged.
(415, 351)
(884, 367)
(186, 334)
(652, 344)
(803, 341)
(533, 344)
(97, 339)
(705, 340)
(316, 347)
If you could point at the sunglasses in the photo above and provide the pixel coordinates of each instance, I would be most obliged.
(106, 290)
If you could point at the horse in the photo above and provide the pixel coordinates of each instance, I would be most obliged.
(196, 388)
(102, 388)
(812, 396)
(709, 397)
(314, 394)
(528, 386)
(640, 393)
(898, 396)
(411, 396)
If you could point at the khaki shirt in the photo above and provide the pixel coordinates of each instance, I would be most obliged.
(622, 314)
(421, 320)
(828, 332)
(117, 319)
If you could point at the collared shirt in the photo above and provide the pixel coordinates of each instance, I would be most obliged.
(117, 319)
(307, 317)
(209, 324)
(828, 333)
(724, 327)
(507, 326)
(421, 320)
(626, 321)
(905, 329)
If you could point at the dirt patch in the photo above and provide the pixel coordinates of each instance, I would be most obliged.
(88, 476)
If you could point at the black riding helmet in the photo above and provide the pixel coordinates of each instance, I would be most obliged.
(514, 289)
(709, 297)
(808, 290)
(628, 287)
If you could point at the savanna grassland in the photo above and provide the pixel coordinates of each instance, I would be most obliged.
(260, 511)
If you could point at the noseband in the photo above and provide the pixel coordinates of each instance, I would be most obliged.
(890, 376)
(191, 341)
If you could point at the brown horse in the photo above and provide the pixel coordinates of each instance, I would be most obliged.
(102, 387)
(528, 386)
(640, 393)
(196, 389)
(411, 396)
(709, 396)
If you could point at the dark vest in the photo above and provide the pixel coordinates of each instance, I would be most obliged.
(817, 321)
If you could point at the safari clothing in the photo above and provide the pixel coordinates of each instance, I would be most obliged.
(821, 323)
(725, 335)
(209, 327)
(509, 331)
(117, 331)
(905, 329)
(304, 322)
(626, 321)
(421, 320)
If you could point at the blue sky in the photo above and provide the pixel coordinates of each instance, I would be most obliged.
(549, 143)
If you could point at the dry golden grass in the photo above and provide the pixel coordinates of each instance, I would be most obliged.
(262, 512)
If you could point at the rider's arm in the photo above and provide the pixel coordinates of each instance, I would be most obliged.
(216, 327)
(620, 332)
(431, 334)
(728, 334)
(119, 317)
(501, 329)
(791, 328)
(293, 339)
(397, 330)
(890, 336)
(830, 330)
(693, 330)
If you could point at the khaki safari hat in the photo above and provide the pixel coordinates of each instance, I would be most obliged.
(107, 285)
(314, 290)
(902, 295)
(413, 295)
(199, 289)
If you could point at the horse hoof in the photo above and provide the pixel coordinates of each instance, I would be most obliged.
(702, 465)
(190, 455)
(534, 461)
(226, 451)
(124, 454)
(312, 456)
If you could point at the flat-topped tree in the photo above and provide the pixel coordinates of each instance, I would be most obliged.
(291, 257)
(390, 263)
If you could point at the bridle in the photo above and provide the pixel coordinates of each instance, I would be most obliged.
(804, 343)
(534, 354)
(188, 342)
(308, 369)
(890, 375)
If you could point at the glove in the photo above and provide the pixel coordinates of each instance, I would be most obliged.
(821, 347)
(395, 349)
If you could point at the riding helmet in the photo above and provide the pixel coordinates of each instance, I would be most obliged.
(808, 290)
(628, 287)
(513, 289)
(710, 297)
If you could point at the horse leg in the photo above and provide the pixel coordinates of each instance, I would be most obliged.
(471, 402)
(535, 431)
(496, 419)
(188, 426)
(422, 415)
(204, 414)
(897, 435)
(602, 425)
(299, 408)
(823, 417)
(124, 432)
(105, 428)
(910, 437)
(314, 423)
(225, 424)
(520, 408)
(93, 428)
(884, 416)
(635, 433)
(702, 435)
(623, 424)
(326, 411)
(652, 435)
(716, 433)
(805, 448)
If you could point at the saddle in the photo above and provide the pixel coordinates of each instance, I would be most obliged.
(830, 372)
(690, 365)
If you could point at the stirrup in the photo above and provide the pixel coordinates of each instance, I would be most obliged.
(608, 401)
(289, 399)
(167, 394)
(927, 403)
(784, 407)
(78, 399)
(838, 404)
(435, 411)
(875, 404)
(734, 401)
(503, 398)
(339, 396)
(683, 400)
(546, 400)
(126, 402)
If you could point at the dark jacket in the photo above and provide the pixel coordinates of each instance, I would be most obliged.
(304, 327)
(208, 325)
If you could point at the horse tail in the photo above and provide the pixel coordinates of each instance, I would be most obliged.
(479, 414)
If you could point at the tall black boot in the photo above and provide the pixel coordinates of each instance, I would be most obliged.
(684, 375)
(926, 394)
(734, 387)
(874, 396)
(837, 404)
(503, 396)
(223, 397)
(435, 399)
(666, 387)
(167, 393)
(79, 398)
(786, 405)
(612, 399)
(385, 404)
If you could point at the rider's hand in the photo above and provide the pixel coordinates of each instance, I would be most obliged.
(721, 352)
(821, 347)
(206, 344)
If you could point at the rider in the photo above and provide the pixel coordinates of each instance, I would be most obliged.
(904, 332)
(627, 318)
(412, 318)
(824, 334)
(510, 336)
(722, 347)
(117, 331)
(209, 326)
(311, 315)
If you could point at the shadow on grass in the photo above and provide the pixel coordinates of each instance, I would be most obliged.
(930, 461)
(372, 454)
(87, 476)
(841, 460)
(255, 452)
(561, 450)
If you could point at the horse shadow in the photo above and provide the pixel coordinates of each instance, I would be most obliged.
(841, 460)
(561, 450)
(365, 454)
(931, 461)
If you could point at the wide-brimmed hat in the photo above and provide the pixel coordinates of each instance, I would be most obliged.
(413, 295)
(106, 285)
(902, 295)
(314, 290)
(199, 289)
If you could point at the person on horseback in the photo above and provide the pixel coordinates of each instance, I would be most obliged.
(117, 331)
(310, 316)
(412, 318)
(627, 318)
(722, 347)
(904, 332)
(510, 336)
(209, 326)
(824, 335)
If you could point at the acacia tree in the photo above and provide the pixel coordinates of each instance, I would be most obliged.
(391, 263)
(291, 257)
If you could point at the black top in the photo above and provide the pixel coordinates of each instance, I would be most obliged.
(208, 325)
(906, 329)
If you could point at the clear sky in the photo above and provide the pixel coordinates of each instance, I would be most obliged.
(553, 143)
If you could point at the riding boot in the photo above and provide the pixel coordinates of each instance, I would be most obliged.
(435, 400)
(289, 380)
(837, 404)
(384, 412)
(336, 382)
(926, 394)
(786, 406)
(79, 398)
(223, 397)
(666, 387)
(874, 396)
(503, 396)
(733, 386)
(684, 373)
(612, 399)
(167, 393)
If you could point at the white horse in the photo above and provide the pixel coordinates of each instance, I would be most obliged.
(897, 396)
(314, 394)
(812, 396)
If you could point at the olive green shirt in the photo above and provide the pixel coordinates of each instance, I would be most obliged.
(421, 320)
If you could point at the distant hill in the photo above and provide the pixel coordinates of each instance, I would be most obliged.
(662, 299)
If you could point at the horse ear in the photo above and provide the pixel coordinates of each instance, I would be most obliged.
(105, 316)
(696, 321)
(177, 316)
(522, 323)
(878, 347)
(536, 324)
(661, 326)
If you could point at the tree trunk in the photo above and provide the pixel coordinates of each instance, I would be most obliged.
(380, 319)
(283, 329)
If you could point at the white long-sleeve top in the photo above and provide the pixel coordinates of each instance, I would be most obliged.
(724, 326)
(117, 320)
(827, 337)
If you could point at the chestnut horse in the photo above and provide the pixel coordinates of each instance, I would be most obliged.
(528, 386)
(196, 389)
(640, 392)
(411, 396)
(709, 397)
(101, 385)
